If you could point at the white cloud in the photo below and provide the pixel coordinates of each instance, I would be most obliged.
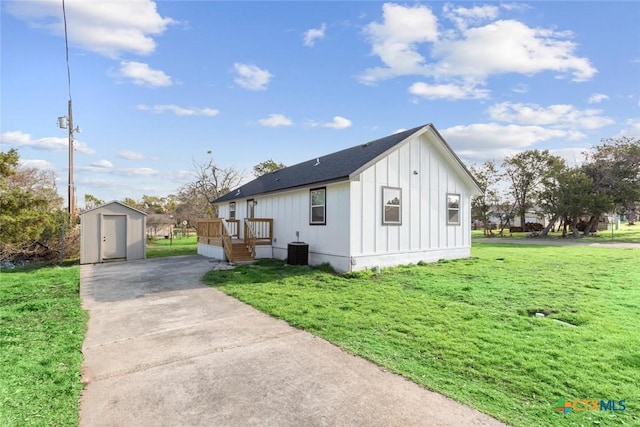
(140, 172)
(119, 171)
(275, 120)
(632, 130)
(131, 155)
(521, 88)
(313, 34)
(447, 91)
(462, 17)
(94, 182)
(142, 75)
(573, 156)
(17, 138)
(395, 40)
(36, 164)
(102, 164)
(516, 6)
(338, 123)
(596, 98)
(109, 28)
(488, 136)
(470, 53)
(482, 141)
(179, 111)
(180, 176)
(559, 115)
(509, 46)
(251, 77)
(51, 143)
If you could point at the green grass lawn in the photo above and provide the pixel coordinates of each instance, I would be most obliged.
(42, 327)
(468, 329)
(157, 248)
(626, 233)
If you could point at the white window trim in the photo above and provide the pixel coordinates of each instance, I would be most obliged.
(449, 209)
(384, 207)
(324, 206)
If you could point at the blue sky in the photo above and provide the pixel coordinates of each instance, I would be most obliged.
(156, 85)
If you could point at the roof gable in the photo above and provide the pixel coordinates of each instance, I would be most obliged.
(339, 166)
(113, 202)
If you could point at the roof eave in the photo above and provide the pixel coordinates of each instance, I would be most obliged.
(281, 190)
(466, 170)
(111, 202)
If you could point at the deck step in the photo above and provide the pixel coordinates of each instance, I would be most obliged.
(241, 253)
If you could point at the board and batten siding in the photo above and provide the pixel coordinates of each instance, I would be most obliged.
(425, 173)
(290, 213)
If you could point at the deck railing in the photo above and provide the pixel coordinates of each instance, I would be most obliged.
(217, 232)
(250, 239)
(221, 232)
(260, 228)
(233, 226)
(210, 231)
(227, 243)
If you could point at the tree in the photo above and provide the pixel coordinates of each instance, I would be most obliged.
(31, 211)
(91, 201)
(154, 204)
(525, 172)
(132, 203)
(266, 167)
(567, 195)
(211, 182)
(483, 207)
(614, 168)
(192, 206)
(504, 210)
(8, 164)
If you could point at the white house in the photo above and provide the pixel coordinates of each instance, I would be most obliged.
(400, 199)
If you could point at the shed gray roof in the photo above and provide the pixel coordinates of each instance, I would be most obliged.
(117, 202)
(332, 167)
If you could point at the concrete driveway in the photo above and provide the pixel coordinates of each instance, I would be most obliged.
(162, 349)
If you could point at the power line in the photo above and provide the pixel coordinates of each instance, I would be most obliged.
(66, 45)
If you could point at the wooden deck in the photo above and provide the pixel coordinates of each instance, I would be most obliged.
(226, 234)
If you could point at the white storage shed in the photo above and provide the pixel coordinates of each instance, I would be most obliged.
(113, 231)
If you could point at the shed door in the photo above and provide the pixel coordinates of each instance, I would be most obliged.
(114, 236)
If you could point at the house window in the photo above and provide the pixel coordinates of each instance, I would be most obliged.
(318, 206)
(391, 206)
(453, 209)
(232, 210)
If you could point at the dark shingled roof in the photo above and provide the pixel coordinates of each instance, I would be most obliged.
(330, 168)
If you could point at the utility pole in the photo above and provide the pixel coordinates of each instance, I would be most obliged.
(67, 123)
(71, 192)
